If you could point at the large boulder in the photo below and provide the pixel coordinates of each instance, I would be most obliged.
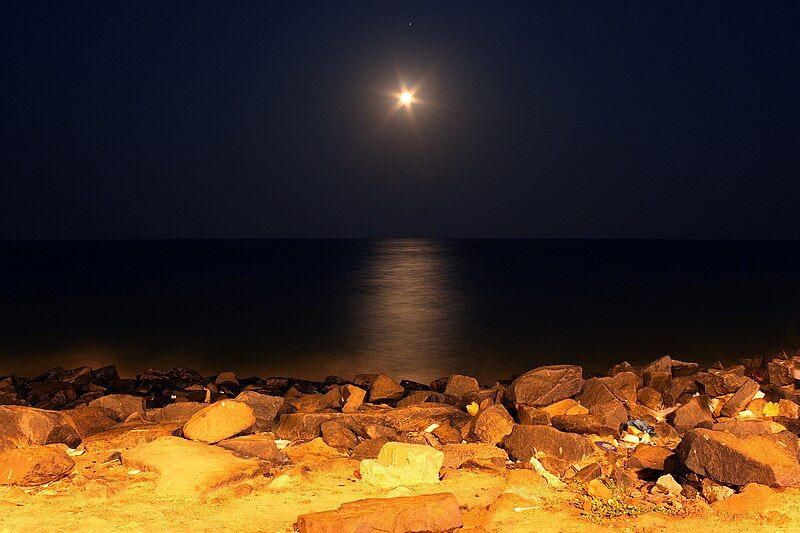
(89, 419)
(525, 442)
(34, 465)
(122, 405)
(546, 385)
(384, 388)
(187, 468)
(218, 421)
(20, 426)
(492, 424)
(399, 464)
(434, 513)
(732, 460)
(459, 386)
(265, 408)
(720, 382)
(691, 414)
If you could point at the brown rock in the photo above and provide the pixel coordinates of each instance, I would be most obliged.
(647, 457)
(420, 396)
(458, 455)
(306, 426)
(175, 413)
(259, 446)
(753, 498)
(122, 405)
(447, 434)
(89, 420)
(595, 392)
(650, 397)
(588, 473)
(690, 414)
(683, 368)
(265, 408)
(741, 398)
(656, 379)
(564, 407)
(584, 424)
(368, 449)
(430, 512)
(788, 408)
(384, 388)
(20, 426)
(720, 382)
(492, 424)
(743, 428)
(732, 460)
(623, 385)
(532, 415)
(525, 441)
(219, 421)
(679, 390)
(128, 436)
(546, 385)
(459, 386)
(354, 398)
(336, 435)
(779, 372)
(33, 465)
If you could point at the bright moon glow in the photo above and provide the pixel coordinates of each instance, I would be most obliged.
(406, 98)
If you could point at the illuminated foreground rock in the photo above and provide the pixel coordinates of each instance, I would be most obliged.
(33, 465)
(402, 464)
(431, 512)
(187, 468)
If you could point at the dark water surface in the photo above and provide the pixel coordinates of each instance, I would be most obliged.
(414, 308)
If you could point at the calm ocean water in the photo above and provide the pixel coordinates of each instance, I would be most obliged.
(414, 308)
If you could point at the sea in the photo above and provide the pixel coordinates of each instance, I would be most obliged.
(415, 309)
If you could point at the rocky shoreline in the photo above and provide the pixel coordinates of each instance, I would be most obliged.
(670, 439)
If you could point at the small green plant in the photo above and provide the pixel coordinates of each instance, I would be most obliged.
(613, 508)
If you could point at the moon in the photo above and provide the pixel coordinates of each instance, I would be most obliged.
(406, 98)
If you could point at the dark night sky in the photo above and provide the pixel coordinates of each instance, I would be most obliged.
(250, 119)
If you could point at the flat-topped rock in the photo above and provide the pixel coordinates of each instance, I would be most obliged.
(188, 468)
(546, 385)
(732, 460)
(525, 441)
(434, 513)
(399, 464)
(218, 421)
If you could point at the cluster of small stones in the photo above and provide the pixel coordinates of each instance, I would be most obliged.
(660, 435)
